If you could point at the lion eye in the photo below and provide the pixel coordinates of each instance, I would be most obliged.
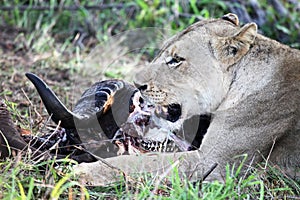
(232, 50)
(174, 61)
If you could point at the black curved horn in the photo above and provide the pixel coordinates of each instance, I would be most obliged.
(53, 105)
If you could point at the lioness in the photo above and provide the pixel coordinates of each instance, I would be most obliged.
(248, 83)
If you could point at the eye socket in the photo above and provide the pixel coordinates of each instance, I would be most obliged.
(174, 61)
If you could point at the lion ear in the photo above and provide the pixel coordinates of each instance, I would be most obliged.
(247, 33)
(229, 50)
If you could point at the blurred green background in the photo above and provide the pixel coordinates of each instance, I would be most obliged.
(62, 19)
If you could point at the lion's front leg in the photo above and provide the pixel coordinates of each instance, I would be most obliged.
(245, 131)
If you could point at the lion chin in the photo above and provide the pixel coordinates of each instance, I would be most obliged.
(242, 87)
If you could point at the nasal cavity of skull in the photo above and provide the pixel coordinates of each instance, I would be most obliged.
(136, 100)
(142, 120)
(141, 100)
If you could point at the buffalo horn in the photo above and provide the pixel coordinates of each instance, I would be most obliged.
(54, 106)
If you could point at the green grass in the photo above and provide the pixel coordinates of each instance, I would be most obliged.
(20, 178)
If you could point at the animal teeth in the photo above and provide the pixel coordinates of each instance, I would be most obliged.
(150, 145)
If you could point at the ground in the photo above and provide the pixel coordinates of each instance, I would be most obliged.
(68, 73)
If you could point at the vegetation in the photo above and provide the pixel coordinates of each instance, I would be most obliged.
(55, 38)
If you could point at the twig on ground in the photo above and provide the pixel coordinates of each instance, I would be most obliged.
(249, 167)
(271, 150)
(47, 139)
(6, 143)
(162, 176)
(206, 174)
(30, 102)
(193, 171)
(102, 160)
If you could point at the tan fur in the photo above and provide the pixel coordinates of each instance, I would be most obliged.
(249, 82)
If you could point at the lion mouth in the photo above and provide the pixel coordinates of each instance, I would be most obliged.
(170, 112)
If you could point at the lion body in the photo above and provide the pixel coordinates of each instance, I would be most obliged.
(249, 83)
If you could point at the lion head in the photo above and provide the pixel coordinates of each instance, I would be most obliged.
(195, 67)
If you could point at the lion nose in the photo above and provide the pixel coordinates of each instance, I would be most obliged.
(141, 87)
